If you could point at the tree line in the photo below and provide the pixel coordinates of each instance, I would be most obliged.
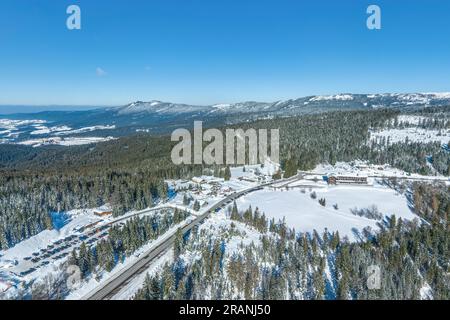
(284, 264)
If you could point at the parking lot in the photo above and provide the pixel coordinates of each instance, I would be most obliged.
(61, 248)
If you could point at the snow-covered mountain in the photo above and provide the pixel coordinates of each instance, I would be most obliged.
(300, 105)
(158, 107)
(162, 117)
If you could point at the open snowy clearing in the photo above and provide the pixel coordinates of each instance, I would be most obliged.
(69, 141)
(305, 214)
(412, 135)
(363, 168)
(86, 129)
(47, 130)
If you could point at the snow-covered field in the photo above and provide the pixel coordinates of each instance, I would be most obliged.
(18, 131)
(268, 169)
(409, 130)
(305, 214)
(40, 130)
(412, 134)
(69, 141)
(410, 120)
(17, 124)
(363, 168)
(85, 129)
(341, 97)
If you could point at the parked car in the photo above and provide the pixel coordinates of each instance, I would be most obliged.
(27, 272)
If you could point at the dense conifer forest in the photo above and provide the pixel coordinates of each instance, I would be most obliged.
(129, 173)
(413, 259)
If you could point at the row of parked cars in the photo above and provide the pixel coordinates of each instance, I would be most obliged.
(53, 250)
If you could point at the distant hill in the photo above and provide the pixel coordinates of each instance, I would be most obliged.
(163, 117)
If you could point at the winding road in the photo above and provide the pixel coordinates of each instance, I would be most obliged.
(112, 286)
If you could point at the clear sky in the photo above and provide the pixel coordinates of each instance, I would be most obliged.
(214, 51)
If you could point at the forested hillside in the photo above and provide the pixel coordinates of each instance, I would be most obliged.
(345, 136)
(129, 172)
(253, 258)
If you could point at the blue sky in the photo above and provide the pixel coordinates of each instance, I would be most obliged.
(206, 52)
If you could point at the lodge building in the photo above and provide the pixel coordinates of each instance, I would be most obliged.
(335, 180)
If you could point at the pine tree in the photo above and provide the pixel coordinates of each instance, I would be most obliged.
(234, 212)
(196, 205)
(186, 200)
(291, 168)
(178, 244)
(322, 202)
(154, 288)
(168, 284)
(227, 175)
(83, 260)
(342, 292)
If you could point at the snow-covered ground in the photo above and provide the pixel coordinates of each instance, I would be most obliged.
(68, 141)
(40, 129)
(410, 119)
(17, 260)
(243, 237)
(254, 171)
(105, 276)
(131, 288)
(216, 225)
(412, 134)
(295, 205)
(408, 130)
(86, 129)
(426, 293)
(363, 168)
(12, 125)
(13, 131)
(77, 223)
(306, 214)
(73, 220)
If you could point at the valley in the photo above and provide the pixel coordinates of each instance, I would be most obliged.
(339, 183)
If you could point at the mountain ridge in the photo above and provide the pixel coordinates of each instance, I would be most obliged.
(388, 100)
(162, 117)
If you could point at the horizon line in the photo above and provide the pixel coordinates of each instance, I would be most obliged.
(53, 105)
